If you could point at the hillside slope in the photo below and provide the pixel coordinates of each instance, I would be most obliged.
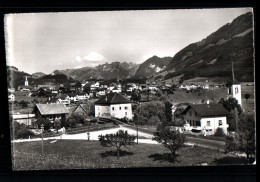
(212, 56)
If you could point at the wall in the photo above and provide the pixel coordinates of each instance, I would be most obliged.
(123, 112)
(101, 111)
(214, 123)
(193, 118)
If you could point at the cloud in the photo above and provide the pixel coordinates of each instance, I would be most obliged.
(93, 56)
(78, 59)
(91, 60)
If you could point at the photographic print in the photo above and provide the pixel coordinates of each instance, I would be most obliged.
(131, 88)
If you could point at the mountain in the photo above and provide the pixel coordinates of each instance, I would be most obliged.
(211, 57)
(105, 71)
(152, 66)
(37, 75)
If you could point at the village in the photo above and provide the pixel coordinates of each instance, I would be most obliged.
(196, 108)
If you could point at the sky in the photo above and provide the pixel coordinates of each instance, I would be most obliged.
(44, 42)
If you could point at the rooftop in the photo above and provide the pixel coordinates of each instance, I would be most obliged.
(47, 109)
(207, 109)
(112, 98)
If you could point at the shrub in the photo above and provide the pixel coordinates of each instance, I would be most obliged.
(21, 131)
(220, 132)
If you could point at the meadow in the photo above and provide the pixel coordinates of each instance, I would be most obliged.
(77, 154)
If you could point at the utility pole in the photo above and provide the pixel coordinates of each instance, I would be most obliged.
(42, 127)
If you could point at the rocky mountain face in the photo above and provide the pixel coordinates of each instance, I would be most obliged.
(212, 56)
(152, 66)
(105, 71)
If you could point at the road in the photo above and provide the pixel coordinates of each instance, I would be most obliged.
(144, 137)
(212, 144)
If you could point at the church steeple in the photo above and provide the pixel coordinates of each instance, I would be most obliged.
(26, 81)
(234, 87)
(233, 75)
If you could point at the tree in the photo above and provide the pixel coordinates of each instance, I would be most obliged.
(57, 124)
(135, 96)
(171, 139)
(74, 120)
(243, 141)
(230, 104)
(21, 131)
(23, 103)
(118, 139)
(168, 111)
(146, 111)
(46, 123)
(234, 109)
(247, 96)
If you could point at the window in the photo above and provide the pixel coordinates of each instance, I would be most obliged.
(195, 114)
(190, 113)
(113, 108)
(208, 123)
(126, 108)
(125, 113)
(197, 123)
(236, 90)
(119, 108)
(220, 122)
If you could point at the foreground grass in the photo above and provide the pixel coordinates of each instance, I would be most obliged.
(76, 154)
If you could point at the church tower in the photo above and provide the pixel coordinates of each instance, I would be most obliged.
(234, 87)
(26, 81)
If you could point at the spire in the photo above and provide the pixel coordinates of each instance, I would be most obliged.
(233, 75)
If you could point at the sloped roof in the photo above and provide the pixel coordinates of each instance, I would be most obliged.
(112, 98)
(207, 109)
(47, 109)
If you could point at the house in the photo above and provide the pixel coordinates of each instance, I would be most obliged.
(94, 85)
(75, 86)
(152, 87)
(24, 87)
(11, 97)
(63, 98)
(82, 96)
(113, 105)
(51, 112)
(207, 117)
(73, 97)
(116, 90)
(101, 91)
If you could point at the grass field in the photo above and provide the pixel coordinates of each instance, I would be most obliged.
(76, 154)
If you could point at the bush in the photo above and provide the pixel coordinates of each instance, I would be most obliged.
(21, 131)
(220, 132)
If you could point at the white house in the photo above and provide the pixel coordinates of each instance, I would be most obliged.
(152, 87)
(113, 105)
(94, 85)
(11, 97)
(207, 117)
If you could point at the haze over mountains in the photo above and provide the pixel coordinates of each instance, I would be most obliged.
(210, 57)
